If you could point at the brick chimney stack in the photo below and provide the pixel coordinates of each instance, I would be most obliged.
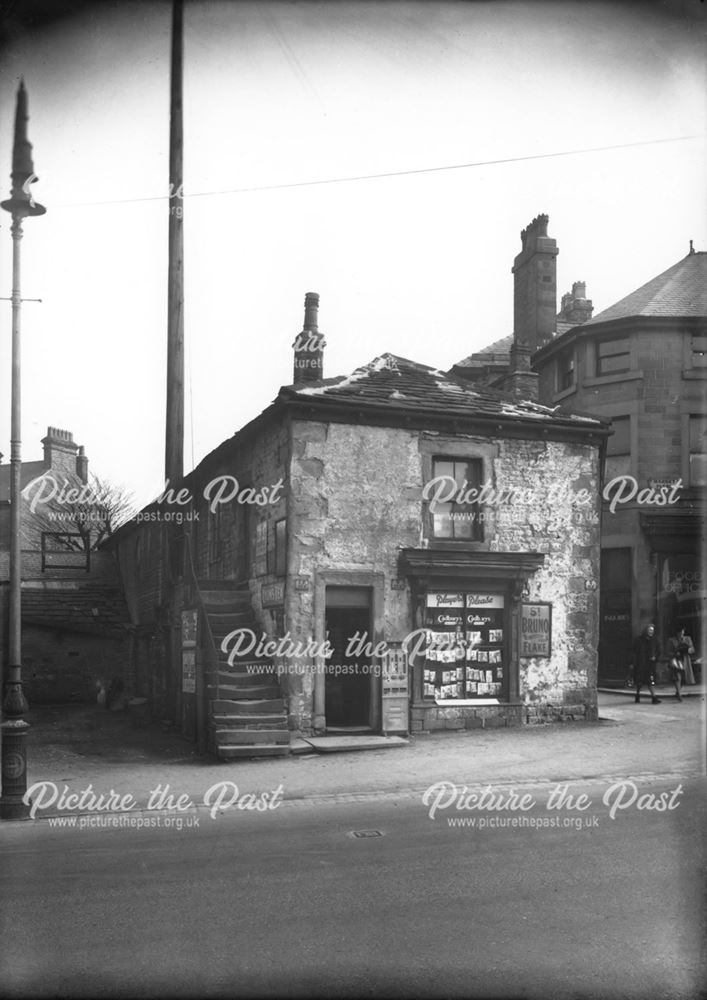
(309, 345)
(60, 450)
(535, 286)
(520, 380)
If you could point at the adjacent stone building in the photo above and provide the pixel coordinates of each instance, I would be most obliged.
(391, 550)
(75, 635)
(639, 364)
(642, 363)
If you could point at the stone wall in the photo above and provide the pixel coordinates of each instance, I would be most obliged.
(357, 500)
(567, 531)
(60, 666)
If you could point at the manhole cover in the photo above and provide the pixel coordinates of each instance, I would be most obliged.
(366, 833)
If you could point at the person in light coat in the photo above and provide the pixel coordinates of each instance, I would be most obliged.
(681, 649)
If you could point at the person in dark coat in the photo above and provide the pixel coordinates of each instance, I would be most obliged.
(645, 655)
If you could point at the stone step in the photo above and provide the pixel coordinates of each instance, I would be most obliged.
(241, 680)
(241, 737)
(241, 668)
(218, 599)
(254, 722)
(254, 667)
(225, 656)
(221, 613)
(259, 692)
(256, 750)
(244, 612)
(254, 707)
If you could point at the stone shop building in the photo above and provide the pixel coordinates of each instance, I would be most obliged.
(390, 551)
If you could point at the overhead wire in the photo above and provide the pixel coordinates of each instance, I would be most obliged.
(385, 174)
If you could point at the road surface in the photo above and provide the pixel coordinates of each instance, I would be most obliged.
(289, 902)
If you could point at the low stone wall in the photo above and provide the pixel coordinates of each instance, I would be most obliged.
(425, 719)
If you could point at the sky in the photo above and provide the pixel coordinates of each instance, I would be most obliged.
(480, 116)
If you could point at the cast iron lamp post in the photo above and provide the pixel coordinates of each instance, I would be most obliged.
(14, 704)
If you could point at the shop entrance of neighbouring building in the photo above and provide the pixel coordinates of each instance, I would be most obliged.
(349, 671)
(615, 628)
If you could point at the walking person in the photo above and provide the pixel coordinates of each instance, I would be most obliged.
(681, 649)
(645, 655)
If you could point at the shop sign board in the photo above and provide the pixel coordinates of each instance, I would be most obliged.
(536, 629)
(272, 595)
(439, 599)
(484, 600)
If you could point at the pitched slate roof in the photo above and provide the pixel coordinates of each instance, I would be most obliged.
(97, 608)
(28, 472)
(500, 348)
(401, 385)
(679, 291)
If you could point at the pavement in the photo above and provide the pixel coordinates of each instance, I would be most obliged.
(77, 746)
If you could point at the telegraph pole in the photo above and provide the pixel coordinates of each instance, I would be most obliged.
(14, 704)
(174, 428)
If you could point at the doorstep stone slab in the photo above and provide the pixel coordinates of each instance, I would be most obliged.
(335, 744)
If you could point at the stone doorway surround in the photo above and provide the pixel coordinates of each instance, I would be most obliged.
(375, 581)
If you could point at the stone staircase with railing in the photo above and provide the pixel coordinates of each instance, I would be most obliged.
(247, 716)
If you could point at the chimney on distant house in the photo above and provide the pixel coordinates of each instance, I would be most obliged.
(309, 345)
(60, 451)
(576, 307)
(82, 465)
(535, 286)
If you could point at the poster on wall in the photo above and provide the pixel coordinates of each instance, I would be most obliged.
(535, 629)
(189, 626)
(189, 671)
(261, 547)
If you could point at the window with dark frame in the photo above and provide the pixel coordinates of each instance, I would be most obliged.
(613, 356)
(698, 450)
(566, 374)
(699, 351)
(452, 519)
(281, 547)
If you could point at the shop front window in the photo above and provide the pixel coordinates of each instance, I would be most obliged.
(466, 655)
